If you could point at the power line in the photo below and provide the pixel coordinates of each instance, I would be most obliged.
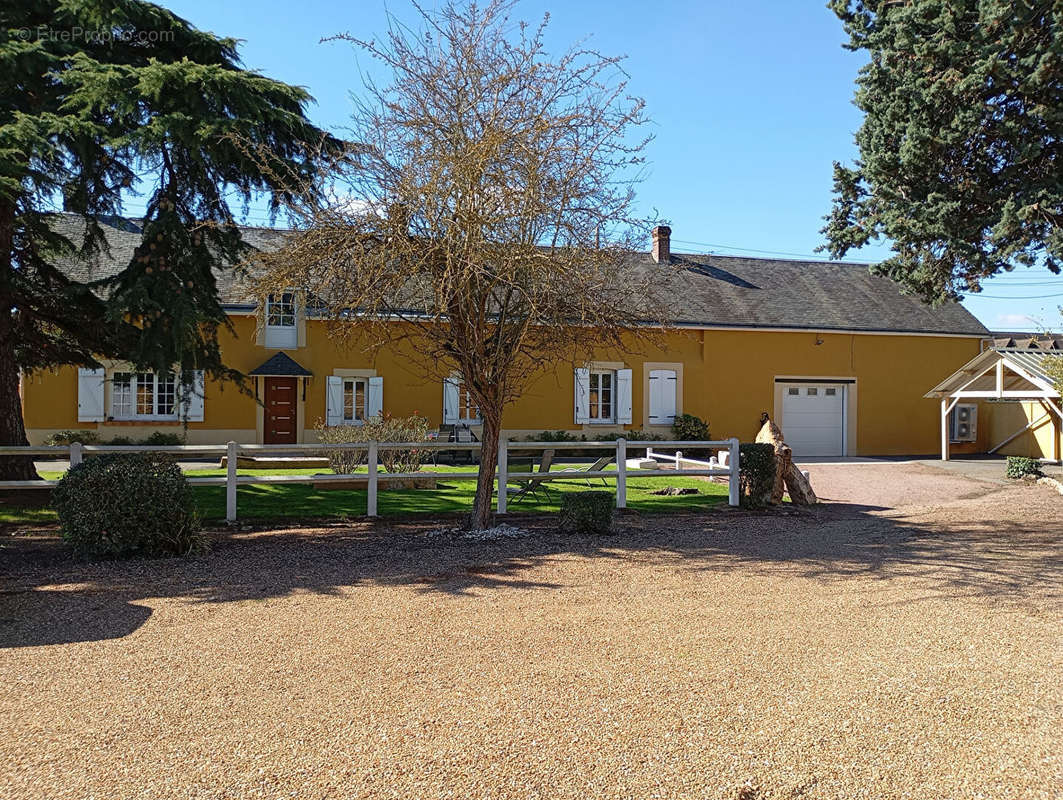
(973, 295)
(766, 252)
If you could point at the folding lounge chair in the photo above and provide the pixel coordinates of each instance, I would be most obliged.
(535, 487)
(597, 466)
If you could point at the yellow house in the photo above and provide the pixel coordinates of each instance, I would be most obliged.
(840, 359)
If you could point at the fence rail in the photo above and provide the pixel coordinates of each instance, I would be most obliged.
(76, 452)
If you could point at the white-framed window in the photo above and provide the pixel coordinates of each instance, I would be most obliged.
(281, 315)
(458, 403)
(601, 402)
(355, 400)
(603, 396)
(352, 399)
(143, 395)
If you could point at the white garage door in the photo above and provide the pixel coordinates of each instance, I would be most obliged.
(813, 418)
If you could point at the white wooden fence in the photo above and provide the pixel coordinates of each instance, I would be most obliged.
(76, 452)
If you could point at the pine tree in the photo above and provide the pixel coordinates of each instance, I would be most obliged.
(961, 148)
(102, 99)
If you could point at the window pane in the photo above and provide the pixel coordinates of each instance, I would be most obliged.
(812, 392)
(831, 392)
(359, 400)
(166, 396)
(348, 400)
(145, 394)
(795, 391)
(280, 312)
(122, 395)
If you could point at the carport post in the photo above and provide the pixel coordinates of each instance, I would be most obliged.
(621, 472)
(944, 429)
(75, 453)
(733, 481)
(370, 498)
(503, 468)
(230, 481)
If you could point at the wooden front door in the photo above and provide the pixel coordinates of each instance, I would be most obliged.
(280, 414)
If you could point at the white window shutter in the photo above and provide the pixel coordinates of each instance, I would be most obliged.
(450, 401)
(334, 401)
(193, 408)
(375, 400)
(662, 396)
(623, 397)
(583, 395)
(90, 395)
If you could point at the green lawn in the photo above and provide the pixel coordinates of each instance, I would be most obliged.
(293, 501)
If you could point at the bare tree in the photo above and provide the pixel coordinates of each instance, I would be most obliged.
(486, 212)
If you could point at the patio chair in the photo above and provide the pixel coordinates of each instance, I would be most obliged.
(464, 435)
(597, 466)
(533, 487)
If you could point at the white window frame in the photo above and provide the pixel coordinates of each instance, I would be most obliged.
(353, 383)
(132, 384)
(468, 410)
(596, 405)
(284, 333)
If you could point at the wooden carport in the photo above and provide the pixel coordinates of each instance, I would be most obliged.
(1002, 373)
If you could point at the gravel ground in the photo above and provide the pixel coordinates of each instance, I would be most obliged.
(840, 652)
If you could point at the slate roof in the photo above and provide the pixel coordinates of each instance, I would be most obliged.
(281, 365)
(1029, 341)
(706, 290)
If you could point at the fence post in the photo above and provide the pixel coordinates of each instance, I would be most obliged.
(75, 453)
(370, 499)
(733, 480)
(678, 460)
(503, 473)
(230, 481)
(621, 472)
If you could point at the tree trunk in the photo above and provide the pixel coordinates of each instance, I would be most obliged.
(12, 428)
(786, 472)
(482, 515)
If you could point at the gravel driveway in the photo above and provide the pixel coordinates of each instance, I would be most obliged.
(906, 643)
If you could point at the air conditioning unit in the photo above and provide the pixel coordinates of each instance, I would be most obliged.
(965, 423)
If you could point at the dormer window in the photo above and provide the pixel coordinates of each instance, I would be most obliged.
(281, 331)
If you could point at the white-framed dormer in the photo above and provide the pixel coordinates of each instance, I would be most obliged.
(282, 321)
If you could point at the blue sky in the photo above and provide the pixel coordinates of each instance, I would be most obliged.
(750, 102)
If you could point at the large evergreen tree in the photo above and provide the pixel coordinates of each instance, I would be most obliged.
(961, 149)
(101, 99)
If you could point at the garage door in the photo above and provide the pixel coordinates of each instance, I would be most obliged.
(813, 418)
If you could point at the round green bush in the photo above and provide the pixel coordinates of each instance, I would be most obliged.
(756, 473)
(127, 506)
(587, 512)
(1020, 467)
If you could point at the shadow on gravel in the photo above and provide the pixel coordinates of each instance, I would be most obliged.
(991, 558)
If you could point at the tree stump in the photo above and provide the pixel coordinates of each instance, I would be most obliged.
(787, 474)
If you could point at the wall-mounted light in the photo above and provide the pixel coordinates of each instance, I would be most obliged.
(819, 340)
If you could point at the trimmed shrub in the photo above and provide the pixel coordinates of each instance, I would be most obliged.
(587, 512)
(756, 472)
(160, 439)
(382, 429)
(123, 505)
(554, 436)
(691, 428)
(67, 438)
(120, 441)
(1020, 467)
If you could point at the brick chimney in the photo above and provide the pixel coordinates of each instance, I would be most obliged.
(662, 244)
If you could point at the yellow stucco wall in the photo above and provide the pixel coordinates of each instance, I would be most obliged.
(1005, 419)
(728, 378)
